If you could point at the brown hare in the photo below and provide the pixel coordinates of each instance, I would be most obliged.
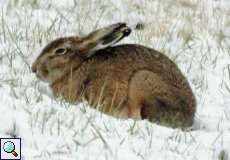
(125, 81)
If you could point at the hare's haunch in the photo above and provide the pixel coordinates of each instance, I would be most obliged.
(125, 81)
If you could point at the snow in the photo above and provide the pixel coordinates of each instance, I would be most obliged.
(195, 34)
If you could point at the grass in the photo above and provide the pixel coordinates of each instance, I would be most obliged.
(191, 35)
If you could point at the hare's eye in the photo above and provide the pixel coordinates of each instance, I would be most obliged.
(60, 51)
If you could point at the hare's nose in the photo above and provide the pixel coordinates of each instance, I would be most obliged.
(33, 68)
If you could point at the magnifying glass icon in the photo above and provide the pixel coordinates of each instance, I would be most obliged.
(9, 147)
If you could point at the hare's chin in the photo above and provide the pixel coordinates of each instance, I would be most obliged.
(39, 76)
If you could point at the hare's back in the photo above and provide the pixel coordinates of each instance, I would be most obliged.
(124, 60)
(136, 56)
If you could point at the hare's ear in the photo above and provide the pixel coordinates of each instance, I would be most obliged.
(103, 38)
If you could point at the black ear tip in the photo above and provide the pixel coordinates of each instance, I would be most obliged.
(123, 25)
(124, 28)
(120, 26)
(127, 31)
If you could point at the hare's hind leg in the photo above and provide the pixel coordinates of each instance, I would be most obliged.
(141, 88)
(155, 100)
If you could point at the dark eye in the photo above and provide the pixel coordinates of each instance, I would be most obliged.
(61, 51)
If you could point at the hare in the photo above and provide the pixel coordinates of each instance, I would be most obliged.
(125, 81)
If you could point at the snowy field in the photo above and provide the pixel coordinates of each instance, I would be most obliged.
(193, 33)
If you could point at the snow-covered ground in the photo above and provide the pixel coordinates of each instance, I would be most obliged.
(194, 33)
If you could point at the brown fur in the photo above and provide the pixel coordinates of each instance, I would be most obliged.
(126, 81)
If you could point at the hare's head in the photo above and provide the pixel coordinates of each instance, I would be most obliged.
(62, 55)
